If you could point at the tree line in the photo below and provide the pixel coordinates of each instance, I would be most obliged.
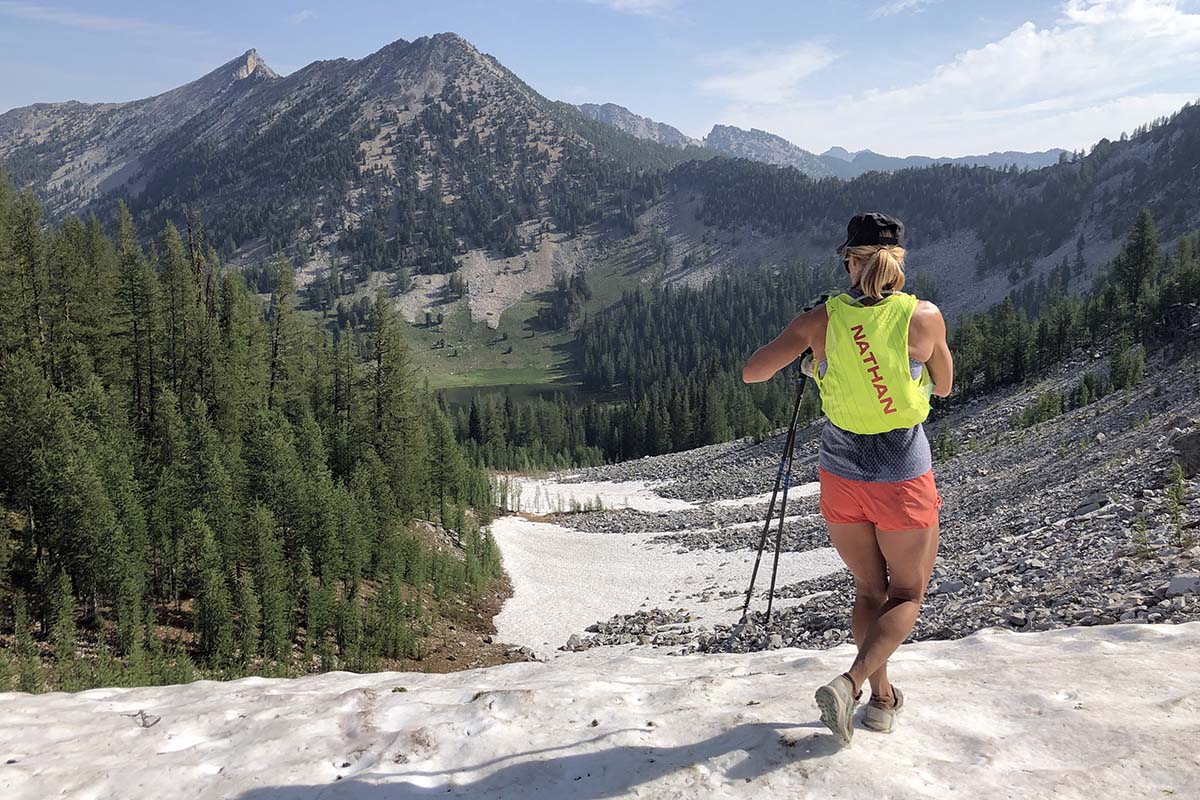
(661, 369)
(198, 481)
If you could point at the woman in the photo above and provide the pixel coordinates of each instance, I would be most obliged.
(877, 490)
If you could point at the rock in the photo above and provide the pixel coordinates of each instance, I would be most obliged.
(1017, 619)
(1183, 584)
(776, 641)
(1094, 502)
(1187, 446)
(950, 587)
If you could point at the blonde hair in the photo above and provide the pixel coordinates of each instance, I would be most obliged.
(883, 270)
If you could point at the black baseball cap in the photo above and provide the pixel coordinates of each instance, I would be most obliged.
(872, 228)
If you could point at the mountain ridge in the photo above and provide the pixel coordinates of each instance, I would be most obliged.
(769, 148)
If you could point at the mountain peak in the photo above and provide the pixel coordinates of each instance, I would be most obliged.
(839, 153)
(625, 120)
(770, 148)
(250, 63)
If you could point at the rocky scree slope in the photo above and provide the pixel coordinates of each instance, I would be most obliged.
(1068, 522)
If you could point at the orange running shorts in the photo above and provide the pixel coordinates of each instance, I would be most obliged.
(891, 506)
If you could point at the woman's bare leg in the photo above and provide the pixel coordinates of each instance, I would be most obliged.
(856, 544)
(909, 556)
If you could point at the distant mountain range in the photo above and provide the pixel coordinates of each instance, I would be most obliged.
(759, 145)
(867, 161)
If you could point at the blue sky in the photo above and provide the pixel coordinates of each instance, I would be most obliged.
(939, 77)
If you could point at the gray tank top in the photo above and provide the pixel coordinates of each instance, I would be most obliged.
(898, 455)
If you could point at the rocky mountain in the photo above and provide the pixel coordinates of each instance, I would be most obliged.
(429, 158)
(625, 120)
(758, 145)
(432, 121)
(75, 153)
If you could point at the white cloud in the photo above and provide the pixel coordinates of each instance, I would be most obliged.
(303, 15)
(1101, 68)
(96, 22)
(643, 8)
(899, 7)
(766, 78)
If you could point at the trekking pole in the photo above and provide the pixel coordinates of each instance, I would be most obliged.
(787, 483)
(784, 464)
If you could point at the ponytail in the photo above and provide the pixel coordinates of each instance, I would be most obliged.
(884, 271)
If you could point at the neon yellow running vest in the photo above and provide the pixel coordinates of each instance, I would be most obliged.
(867, 386)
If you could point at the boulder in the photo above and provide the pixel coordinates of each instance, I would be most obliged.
(1183, 584)
(1187, 448)
(1093, 502)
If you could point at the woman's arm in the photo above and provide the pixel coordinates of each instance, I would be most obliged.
(940, 362)
(783, 349)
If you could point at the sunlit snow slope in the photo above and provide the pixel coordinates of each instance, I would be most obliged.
(1107, 712)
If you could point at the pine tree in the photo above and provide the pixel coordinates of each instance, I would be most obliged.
(945, 446)
(62, 612)
(32, 279)
(445, 464)
(397, 434)
(131, 631)
(1121, 367)
(214, 607)
(214, 618)
(29, 662)
(281, 333)
(179, 303)
(269, 580)
(318, 621)
(716, 424)
(1138, 259)
(140, 311)
(248, 616)
(350, 630)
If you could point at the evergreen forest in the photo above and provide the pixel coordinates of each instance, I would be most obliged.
(202, 481)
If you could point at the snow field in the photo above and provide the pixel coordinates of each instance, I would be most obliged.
(535, 496)
(1075, 714)
(799, 490)
(564, 580)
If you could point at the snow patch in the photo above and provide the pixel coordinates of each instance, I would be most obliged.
(801, 490)
(536, 496)
(564, 580)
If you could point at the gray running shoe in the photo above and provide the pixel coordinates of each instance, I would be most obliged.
(837, 702)
(881, 716)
